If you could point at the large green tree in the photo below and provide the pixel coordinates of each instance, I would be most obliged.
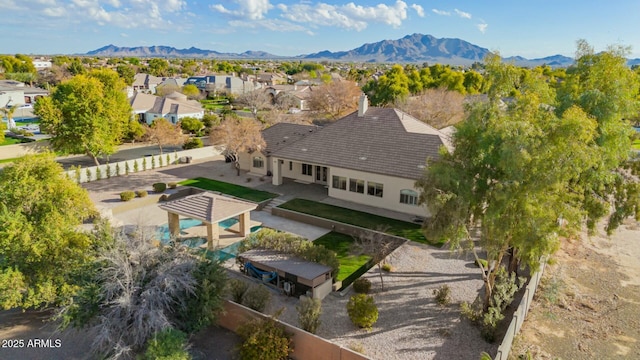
(520, 176)
(390, 87)
(88, 114)
(41, 249)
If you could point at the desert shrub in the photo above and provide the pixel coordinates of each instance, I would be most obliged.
(117, 169)
(192, 143)
(127, 195)
(256, 297)
(173, 185)
(127, 170)
(443, 295)
(362, 310)
(88, 173)
(236, 289)
(504, 290)
(357, 347)
(169, 344)
(135, 166)
(141, 193)
(159, 187)
(168, 159)
(109, 171)
(387, 267)
(362, 286)
(264, 339)
(153, 162)
(309, 310)
(144, 164)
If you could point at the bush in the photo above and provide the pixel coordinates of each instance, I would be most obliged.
(387, 267)
(192, 143)
(443, 295)
(203, 307)
(173, 185)
(236, 289)
(362, 310)
(265, 340)
(256, 297)
(309, 310)
(362, 286)
(159, 187)
(127, 195)
(141, 193)
(169, 344)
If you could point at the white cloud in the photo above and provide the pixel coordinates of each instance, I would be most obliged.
(246, 9)
(419, 9)
(349, 16)
(121, 13)
(54, 11)
(482, 27)
(462, 14)
(124, 35)
(441, 12)
(269, 24)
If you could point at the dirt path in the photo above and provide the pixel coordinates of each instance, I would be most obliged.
(588, 305)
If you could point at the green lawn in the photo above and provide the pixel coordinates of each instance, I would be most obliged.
(229, 189)
(342, 245)
(10, 141)
(636, 144)
(400, 228)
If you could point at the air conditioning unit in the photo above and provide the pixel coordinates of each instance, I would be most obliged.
(288, 287)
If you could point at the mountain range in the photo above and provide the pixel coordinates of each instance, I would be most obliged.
(415, 48)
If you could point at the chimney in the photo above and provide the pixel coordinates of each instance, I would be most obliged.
(363, 105)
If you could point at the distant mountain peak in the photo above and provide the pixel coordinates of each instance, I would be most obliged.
(412, 48)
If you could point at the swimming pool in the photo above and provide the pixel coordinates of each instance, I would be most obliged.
(196, 242)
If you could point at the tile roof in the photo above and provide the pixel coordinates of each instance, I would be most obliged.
(283, 134)
(384, 141)
(164, 105)
(208, 207)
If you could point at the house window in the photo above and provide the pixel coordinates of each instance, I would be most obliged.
(408, 197)
(258, 162)
(290, 165)
(374, 189)
(356, 185)
(339, 182)
(307, 169)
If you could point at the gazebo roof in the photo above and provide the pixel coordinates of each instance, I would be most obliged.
(208, 207)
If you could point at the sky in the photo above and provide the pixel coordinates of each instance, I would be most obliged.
(531, 29)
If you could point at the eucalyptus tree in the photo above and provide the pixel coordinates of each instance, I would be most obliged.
(515, 172)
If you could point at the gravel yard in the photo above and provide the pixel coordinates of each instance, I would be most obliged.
(411, 325)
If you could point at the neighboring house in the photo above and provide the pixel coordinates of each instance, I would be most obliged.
(299, 93)
(15, 93)
(41, 64)
(372, 156)
(146, 83)
(172, 107)
(269, 79)
(173, 82)
(213, 84)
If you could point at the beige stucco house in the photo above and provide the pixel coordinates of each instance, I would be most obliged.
(173, 107)
(372, 156)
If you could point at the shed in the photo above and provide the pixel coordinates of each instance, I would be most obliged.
(294, 275)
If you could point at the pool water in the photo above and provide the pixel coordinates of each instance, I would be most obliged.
(196, 242)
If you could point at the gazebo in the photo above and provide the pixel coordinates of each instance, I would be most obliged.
(210, 208)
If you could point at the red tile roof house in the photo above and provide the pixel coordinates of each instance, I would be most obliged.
(372, 156)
